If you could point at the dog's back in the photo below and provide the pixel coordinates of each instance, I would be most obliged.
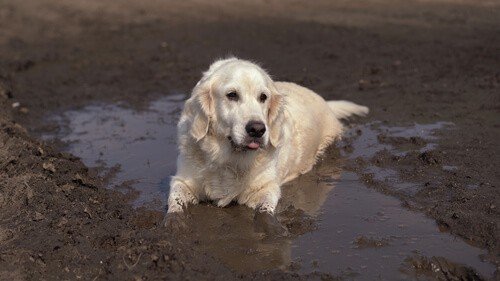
(314, 125)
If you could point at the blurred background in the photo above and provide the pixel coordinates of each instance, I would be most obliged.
(403, 52)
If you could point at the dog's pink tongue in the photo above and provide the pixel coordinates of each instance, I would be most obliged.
(253, 145)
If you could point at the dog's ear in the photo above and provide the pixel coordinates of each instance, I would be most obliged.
(275, 117)
(201, 107)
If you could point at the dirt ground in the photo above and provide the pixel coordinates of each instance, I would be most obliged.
(409, 61)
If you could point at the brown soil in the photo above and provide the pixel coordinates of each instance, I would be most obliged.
(409, 61)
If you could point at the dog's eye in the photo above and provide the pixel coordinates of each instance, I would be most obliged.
(263, 97)
(232, 96)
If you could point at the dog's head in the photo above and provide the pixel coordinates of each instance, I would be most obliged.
(236, 101)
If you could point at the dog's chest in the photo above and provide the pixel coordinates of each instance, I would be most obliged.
(224, 185)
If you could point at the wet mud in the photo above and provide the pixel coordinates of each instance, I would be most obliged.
(89, 96)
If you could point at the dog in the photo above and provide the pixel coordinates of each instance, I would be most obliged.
(241, 136)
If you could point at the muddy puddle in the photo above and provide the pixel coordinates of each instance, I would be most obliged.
(339, 225)
(136, 148)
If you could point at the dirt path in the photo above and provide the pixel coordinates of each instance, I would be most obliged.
(422, 61)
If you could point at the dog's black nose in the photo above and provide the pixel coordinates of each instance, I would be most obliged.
(255, 129)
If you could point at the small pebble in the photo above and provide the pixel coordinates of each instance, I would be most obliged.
(49, 167)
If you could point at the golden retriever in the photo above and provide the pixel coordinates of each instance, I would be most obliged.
(241, 136)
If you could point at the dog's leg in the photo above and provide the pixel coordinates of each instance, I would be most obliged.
(266, 199)
(180, 196)
(264, 203)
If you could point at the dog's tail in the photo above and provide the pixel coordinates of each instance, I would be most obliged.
(343, 109)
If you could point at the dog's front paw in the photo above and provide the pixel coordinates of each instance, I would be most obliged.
(176, 221)
(268, 223)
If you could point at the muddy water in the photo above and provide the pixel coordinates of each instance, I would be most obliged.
(365, 143)
(340, 226)
(137, 148)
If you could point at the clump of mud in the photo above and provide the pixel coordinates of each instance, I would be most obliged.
(368, 242)
(297, 221)
(438, 268)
